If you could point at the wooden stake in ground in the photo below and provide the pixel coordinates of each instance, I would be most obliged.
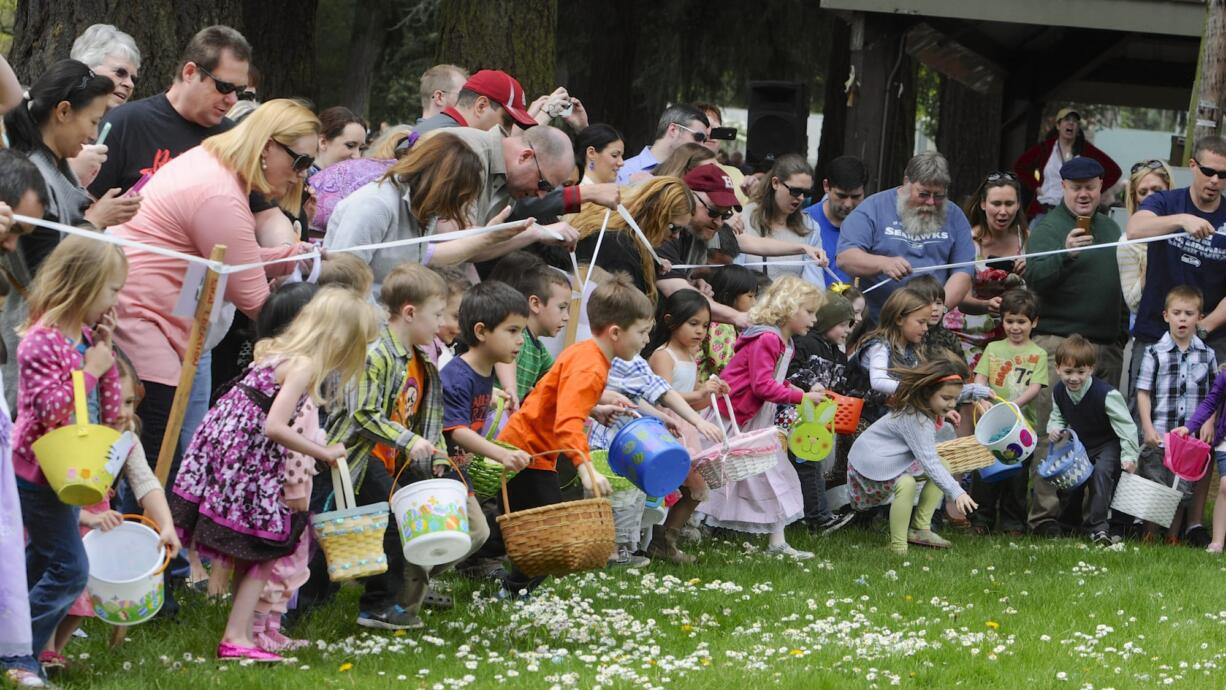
(191, 359)
(1209, 92)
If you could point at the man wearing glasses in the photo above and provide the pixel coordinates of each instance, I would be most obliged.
(680, 124)
(899, 230)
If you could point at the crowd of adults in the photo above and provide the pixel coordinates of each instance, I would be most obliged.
(270, 180)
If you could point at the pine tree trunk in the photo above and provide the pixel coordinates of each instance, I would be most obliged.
(971, 147)
(834, 120)
(281, 33)
(596, 64)
(370, 34)
(1205, 114)
(516, 37)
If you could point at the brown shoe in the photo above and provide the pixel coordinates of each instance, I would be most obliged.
(663, 546)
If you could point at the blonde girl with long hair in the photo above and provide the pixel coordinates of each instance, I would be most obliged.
(757, 376)
(228, 498)
(1146, 178)
(659, 206)
(71, 317)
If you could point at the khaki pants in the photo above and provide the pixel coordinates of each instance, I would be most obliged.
(1044, 502)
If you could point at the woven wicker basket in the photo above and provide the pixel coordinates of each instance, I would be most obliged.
(964, 455)
(351, 536)
(559, 539)
(1146, 499)
(741, 455)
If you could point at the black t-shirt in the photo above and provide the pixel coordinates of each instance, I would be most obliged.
(147, 134)
(682, 250)
(618, 252)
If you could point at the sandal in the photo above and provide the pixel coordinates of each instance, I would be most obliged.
(437, 601)
(233, 652)
(52, 660)
(24, 678)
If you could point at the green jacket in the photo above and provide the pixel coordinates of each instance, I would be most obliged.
(1077, 293)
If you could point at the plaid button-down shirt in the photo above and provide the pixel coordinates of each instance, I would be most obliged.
(1177, 381)
(533, 361)
(365, 418)
(635, 380)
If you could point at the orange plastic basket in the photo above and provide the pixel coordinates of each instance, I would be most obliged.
(847, 414)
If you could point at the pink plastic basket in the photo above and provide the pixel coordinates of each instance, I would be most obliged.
(1186, 456)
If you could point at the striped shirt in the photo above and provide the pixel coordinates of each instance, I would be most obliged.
(365, 418)
(635, 380)
(1176, 380)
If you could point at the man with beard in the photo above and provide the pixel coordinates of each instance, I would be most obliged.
(897, 231)
(1079, 293)
(844, 190)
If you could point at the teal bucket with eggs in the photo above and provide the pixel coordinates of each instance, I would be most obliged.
(648, 455)
(1005, 433)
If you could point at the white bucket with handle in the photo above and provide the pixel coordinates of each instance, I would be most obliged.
(1005, 433)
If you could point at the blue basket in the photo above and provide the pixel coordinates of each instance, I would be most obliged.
(999, 472)
(644, 452)
(1067, 465)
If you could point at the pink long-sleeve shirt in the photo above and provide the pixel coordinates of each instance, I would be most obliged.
(751, 374)
(191, 204)
(45, 362)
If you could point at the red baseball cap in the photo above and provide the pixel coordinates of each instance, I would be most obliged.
(710, 178)
(504, 90)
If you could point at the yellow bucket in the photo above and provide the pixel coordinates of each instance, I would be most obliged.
(77, 459)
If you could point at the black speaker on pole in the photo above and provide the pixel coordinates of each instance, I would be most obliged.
(778, 120)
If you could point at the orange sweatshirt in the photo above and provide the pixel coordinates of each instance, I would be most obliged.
(555, 414)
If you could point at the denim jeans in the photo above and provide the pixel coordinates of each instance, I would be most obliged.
(57, 569)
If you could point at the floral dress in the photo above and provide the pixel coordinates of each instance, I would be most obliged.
(716, 350)
(228, 495)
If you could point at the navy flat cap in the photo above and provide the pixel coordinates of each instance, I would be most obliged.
(1081, 168)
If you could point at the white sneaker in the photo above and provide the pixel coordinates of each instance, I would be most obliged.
(787, 550)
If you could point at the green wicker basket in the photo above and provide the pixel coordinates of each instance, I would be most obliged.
(485, 475)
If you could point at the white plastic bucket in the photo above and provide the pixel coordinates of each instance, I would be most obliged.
(126, 566)
(432, 517)
(1005, 433)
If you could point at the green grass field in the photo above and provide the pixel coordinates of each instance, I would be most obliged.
(987, 614)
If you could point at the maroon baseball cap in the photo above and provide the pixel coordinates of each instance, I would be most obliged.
(710, 178)
(504, 90)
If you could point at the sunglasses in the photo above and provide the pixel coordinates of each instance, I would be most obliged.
(1002, 176)
(699, 137)
(1210, 172)
(223, 87)
(301, 160)
(796, 192)
(122, 73)
(1148, 165)
(929, 196)
(714, 212)
(541, 184)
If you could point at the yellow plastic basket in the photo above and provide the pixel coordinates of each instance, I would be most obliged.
(80, 460)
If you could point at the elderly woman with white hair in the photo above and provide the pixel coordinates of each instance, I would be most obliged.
(112, 53)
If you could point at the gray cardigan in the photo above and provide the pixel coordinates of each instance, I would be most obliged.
(887, 448)
(378, 212)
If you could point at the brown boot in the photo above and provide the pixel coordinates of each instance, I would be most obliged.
(663, 546)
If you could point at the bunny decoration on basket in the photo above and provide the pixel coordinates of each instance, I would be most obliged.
(812, 434)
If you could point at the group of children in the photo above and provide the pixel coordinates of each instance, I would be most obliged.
(407, 393)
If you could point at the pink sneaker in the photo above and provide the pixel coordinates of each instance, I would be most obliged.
(233, 652)
(1213, 548)
(273, 632)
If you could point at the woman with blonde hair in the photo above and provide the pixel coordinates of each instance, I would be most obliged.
(1145, 178)
(437, 181)
(196, 201)
(661, 207)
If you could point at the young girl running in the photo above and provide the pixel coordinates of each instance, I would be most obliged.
(228, 498)
(767, 502)
(900, 448)
(100, 516)
(71, 317)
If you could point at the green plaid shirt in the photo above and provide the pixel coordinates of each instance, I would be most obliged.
(533, 361)
(364, 420)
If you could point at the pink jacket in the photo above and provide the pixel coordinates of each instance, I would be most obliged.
(751, 373)
(45, 362)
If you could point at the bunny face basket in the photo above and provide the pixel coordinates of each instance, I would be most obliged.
(1067, 465)
(558, 539)
(351, 536)
(739, 456)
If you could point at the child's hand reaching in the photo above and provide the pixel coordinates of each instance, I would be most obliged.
(1206, 430)
(104, 521)
(591, 478)
(1152, 439)
(965, 504)
(331, 454)
(1055, 436)
(421, 450)
(983, 406)
(1181, 431)
(170, 539)
(1129, 467)
(816, 396)
(953, 417)
(515, 460)
(709, 430)
(715, 386)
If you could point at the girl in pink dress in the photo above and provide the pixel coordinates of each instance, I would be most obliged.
(767, 502)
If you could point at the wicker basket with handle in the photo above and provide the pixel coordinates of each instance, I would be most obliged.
(964, 455)
(559, 539)
(739, 456)
(351, 536)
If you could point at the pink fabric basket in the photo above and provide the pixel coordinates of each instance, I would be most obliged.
(1186, 456)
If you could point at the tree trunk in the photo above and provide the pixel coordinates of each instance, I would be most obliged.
(1205, 114)
(370, 33)
(835, 107)
(596, 60)
(971, 147)
(516, 37)
(281, 34)
(881, 122)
